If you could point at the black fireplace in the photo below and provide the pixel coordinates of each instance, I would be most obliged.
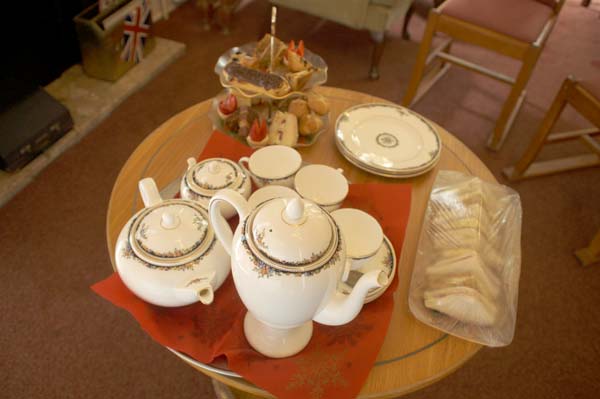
(39, 43)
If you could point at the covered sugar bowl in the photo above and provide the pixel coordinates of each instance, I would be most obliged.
(287, 258)
(203, 179)
(167, 254)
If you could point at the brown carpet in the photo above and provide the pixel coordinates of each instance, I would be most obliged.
(57, 339)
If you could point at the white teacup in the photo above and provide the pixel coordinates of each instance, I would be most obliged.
(362, 233)
(323, 185)
(274, 164)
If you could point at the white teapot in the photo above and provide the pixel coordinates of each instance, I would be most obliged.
(287, 257)
(167, 254)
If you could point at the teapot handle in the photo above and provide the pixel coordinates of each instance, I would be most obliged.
(220, 225)
(149, 192)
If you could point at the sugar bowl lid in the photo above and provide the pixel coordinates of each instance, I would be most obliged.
(292, 234)
(171, 233)
(214, 174)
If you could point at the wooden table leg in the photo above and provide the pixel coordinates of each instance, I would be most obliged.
(590, 254)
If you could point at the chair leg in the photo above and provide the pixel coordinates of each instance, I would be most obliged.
(558, 105)
(207, 11)
(225, 13)
(514, 100)
(419, 68)
(379, 39)
(407, 17)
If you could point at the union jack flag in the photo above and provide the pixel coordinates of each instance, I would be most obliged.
(135, 32)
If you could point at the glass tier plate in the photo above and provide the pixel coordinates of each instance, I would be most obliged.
(318, 78)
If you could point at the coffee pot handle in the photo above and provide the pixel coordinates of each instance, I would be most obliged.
(218, 222)
(149, 192)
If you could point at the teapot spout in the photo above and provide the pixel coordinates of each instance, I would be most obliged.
(205, 293)
(342, 308)
(203, 288)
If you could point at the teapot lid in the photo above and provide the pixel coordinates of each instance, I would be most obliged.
(292, 234)
(170, 233)
(214, 174)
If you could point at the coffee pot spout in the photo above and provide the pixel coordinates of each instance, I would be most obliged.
(342, 308)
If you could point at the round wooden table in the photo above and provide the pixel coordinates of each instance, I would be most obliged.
(413, 355)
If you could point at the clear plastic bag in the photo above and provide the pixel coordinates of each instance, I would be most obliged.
(466, 275)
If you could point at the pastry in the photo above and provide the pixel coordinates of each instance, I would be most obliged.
(295, 62)
(310, 124)
(318, 104)
(284, 129)
(298, 107)
(227, 106)
(254, 80)
(262, 52)
(231, 121)
(258, 134)
(298, 80)
(246, 117)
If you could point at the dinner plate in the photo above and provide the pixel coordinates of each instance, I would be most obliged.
(406, 175)
(388, 140)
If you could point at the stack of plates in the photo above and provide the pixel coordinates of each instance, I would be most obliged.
(387, 140)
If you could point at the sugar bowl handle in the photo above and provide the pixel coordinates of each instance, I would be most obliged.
(245, 160)
(191, 162)
(220, 225)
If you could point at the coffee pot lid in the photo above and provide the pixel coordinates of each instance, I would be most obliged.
(292, 234)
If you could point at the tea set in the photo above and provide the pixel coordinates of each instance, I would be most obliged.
(295, 256)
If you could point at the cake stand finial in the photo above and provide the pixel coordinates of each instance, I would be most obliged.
(273, 22)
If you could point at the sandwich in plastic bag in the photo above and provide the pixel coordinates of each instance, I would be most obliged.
(466, 275)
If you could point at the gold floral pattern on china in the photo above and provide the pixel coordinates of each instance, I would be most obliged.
(128, 253)
(201, 225)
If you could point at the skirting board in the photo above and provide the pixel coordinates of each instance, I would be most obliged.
(89, 101)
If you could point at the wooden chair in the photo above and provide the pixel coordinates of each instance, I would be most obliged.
(514, 28)
(586, 101)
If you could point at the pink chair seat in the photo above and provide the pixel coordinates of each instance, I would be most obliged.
(521, 19)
